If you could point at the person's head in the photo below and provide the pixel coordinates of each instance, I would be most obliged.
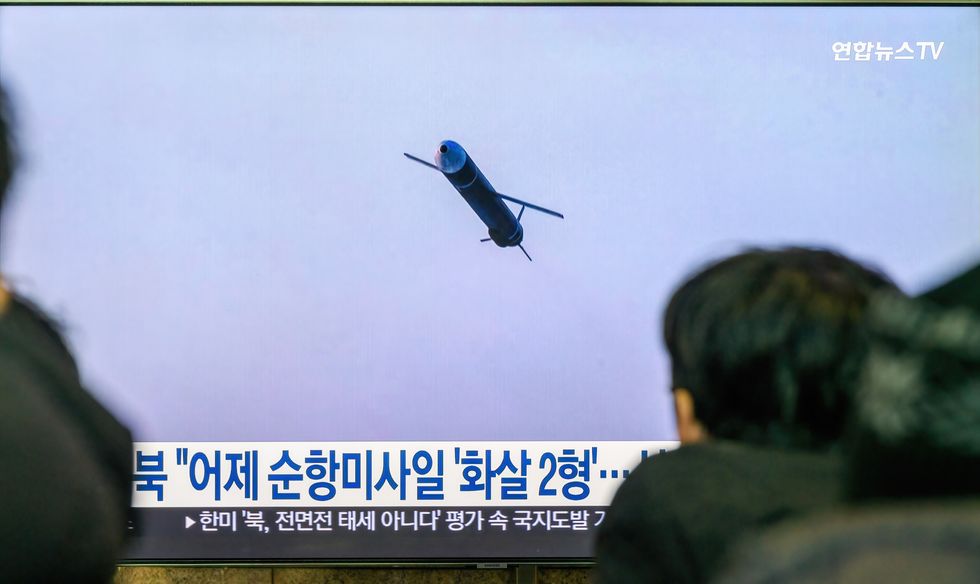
(8, 160)
(6, 145)
(766, 346)
(7, 157)
(917, 423)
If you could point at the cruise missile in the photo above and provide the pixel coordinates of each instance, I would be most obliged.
(462, 172)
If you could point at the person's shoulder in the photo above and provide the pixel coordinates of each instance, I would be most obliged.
(687, 463)
(643, 537)
(717, 469)
(36, 333)
(27, 309)
(679, 510)
(31, 342)
(727, 452)
(658, 479)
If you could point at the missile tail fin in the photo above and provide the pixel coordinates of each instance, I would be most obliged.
(525, 252)
(530, 205)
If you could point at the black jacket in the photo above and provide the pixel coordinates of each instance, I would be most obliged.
(65, 461)
(677, 515)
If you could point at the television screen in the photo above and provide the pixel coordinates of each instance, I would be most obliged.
(328, 351)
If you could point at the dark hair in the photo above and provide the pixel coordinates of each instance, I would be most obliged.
(917, 423)
(7, 150)
(770, 343)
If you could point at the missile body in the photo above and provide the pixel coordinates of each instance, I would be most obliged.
(503, 227)
(459, 169)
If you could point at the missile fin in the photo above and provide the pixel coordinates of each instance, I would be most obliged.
(525, 252)
(530, 205)
(420, 161)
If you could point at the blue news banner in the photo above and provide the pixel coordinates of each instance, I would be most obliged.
(375, 500)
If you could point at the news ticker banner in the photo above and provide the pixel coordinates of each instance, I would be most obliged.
(354, 534)
(375, 501)
(353, 475)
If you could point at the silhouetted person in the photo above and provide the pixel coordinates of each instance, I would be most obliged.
(961, 291)
(65, 462)
(766, 348)
(917, 430)
(913, 458)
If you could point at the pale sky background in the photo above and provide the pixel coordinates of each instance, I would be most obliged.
(215, 203)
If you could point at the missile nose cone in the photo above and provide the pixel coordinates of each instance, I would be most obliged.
(450, 157)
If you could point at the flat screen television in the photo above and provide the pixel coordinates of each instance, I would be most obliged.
(329, 352)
